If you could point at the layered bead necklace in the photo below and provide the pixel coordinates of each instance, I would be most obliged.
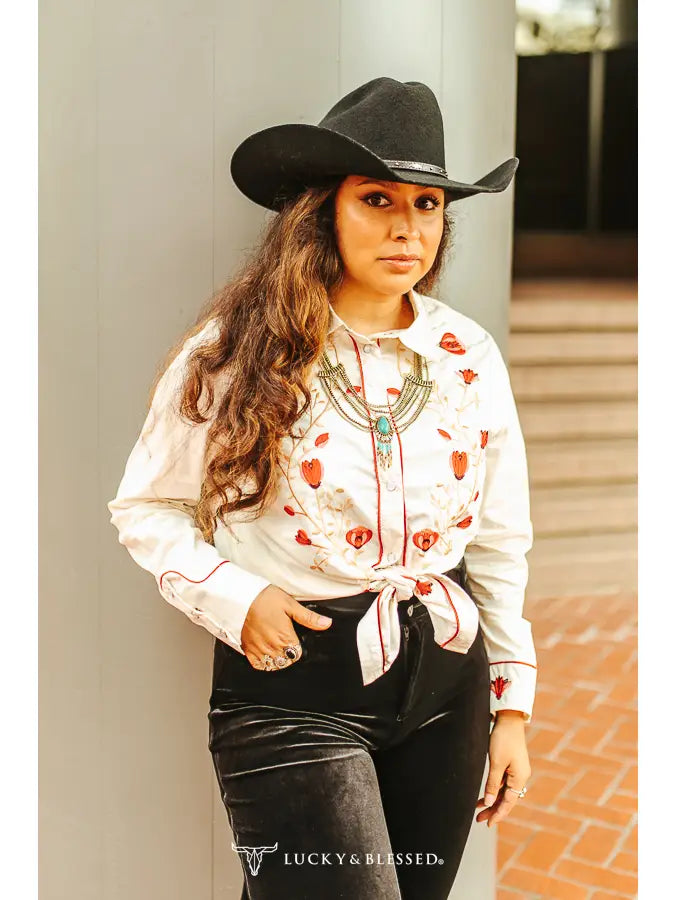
(380, 419)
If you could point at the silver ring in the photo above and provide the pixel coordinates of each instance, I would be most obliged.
(520, 793)
(291, 654)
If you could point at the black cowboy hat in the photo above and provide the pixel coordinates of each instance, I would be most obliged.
(386, 129)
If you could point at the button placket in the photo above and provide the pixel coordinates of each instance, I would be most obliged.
(380, 372)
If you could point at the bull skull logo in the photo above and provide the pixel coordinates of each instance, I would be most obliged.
(254, 855)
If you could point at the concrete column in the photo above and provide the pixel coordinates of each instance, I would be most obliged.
(623, 21)
(142, 105)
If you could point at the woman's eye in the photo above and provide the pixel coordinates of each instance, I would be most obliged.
(434, 201)
(371, 197)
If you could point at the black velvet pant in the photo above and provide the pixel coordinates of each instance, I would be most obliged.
(338, 789)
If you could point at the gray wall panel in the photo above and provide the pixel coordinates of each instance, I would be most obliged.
(68, 637)
(155, 188)
(390, 37)
(478, 90)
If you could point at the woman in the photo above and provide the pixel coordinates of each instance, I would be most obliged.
(332, 481)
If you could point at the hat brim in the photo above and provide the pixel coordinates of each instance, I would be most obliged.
(275, 164)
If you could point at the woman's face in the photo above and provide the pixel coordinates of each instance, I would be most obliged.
(378, 219)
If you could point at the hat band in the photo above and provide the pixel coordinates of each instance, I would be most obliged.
(416, 166)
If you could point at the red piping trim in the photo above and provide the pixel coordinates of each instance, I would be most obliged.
(400, 453)
(372, 441)
(194, 581)
(453, 609)
(517, 662)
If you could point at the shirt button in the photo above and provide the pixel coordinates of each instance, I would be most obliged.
(368, 348)
(392, 485)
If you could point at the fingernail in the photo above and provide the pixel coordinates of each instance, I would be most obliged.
(489, 799)
(324, 620)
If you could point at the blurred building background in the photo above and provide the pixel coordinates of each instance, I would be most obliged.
(573, 364)
(574, 311)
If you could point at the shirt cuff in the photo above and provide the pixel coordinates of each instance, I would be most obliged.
(220, 602)
(512, 686)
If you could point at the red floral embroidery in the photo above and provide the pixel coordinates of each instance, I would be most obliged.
(476, 496)
(459, 463)
(483, 439)
(451, 343)
(359, 536)
(425, 539)
(423, 587)
(357, 388)
(312, 472)
(444, 434)
(303, 538)
(321, 440)
(468, 375)
(393, 391)
(498, 685)
(465, 522)
(289, 510)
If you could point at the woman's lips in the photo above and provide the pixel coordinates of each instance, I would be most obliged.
(403, 265)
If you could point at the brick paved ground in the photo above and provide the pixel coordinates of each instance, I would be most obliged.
(574, 836)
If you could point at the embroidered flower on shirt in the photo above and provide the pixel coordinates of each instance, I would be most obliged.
(423, 587)
(460, 461)
(321, 439)
(444, 434)
(468, 375)
(498, 685)
(451, 343)
(359, 536)
(312, 472)
(483, 439)
(425, 539)
(289, 510)
(303, 538)
(465, 522)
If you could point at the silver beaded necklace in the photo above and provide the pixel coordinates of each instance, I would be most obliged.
(380, 419)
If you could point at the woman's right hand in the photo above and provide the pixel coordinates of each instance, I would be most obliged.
(268, 626)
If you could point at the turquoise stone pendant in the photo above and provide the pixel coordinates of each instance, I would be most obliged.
(384, 432)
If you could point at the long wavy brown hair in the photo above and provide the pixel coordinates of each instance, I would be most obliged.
(272, 320)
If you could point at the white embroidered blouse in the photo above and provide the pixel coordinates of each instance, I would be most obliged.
(457, 486)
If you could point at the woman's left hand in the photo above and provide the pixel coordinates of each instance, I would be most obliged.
(509, 767)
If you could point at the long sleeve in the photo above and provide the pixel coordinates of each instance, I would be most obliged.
(497, 569)
(153, 512)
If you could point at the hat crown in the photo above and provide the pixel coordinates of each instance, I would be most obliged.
(393, 119)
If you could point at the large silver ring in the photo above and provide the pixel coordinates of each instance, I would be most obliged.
(291, 652)
(520, 793)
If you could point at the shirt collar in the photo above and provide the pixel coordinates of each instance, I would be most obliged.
(418, 336)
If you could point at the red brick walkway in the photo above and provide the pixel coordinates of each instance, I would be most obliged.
(574, 836)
